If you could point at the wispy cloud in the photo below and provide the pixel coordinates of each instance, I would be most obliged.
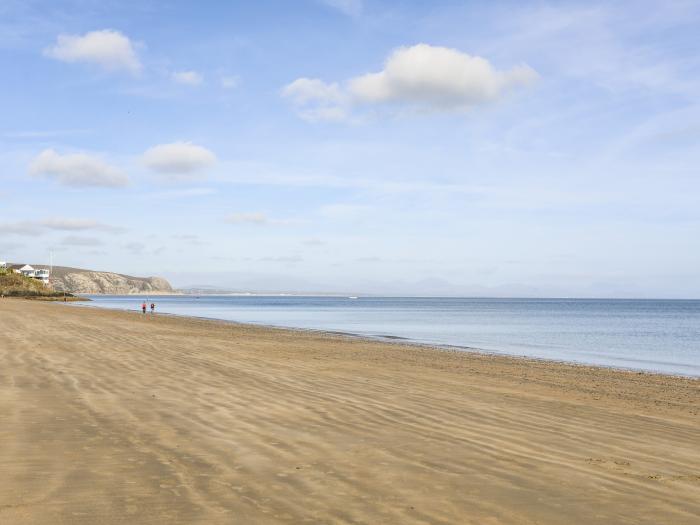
(189, 78)
(347, 7)
(56, 224)
(315, 99)
(314, 242)
(258, 219)
(229, 81)
(77, 170)
(248, 218)
(135, 248)
(42, 134)
(605, 45)
(79, 225)
(189, 238)
(261, 173)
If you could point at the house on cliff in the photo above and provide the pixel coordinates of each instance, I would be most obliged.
(42, 274)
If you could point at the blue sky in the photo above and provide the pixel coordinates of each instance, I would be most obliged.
(488, 148)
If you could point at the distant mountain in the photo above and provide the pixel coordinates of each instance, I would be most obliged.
(80, 281)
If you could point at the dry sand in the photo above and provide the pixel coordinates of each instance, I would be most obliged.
(114, 417)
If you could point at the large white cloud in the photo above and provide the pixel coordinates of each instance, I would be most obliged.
(421, 76)
(178, 158)
(77, 170)
(438, 77)
(107, 48)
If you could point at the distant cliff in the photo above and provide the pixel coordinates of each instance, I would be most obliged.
(75, 280)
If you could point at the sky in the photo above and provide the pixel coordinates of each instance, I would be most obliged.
(405, 147)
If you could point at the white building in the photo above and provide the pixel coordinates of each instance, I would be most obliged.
(3, 265)
(42, 274)
(36, 273)
(27, 271)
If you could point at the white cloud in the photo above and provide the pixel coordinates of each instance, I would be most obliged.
(438, 77)
(348, 7)
(316, 99)
(178, 158)
(77, 170)
(107, 48)
(304, 90)
(248, 218)
(78, 225)
(56, 224)
(421, 76)
(190, 78)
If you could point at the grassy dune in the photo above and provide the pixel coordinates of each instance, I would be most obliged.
(17, 285)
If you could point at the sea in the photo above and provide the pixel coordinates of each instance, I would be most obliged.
(646, 335)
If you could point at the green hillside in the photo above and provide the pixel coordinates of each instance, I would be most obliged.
(15, 285)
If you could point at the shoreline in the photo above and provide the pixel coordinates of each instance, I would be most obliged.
(110, 416)
(381, 296)
(399, 340)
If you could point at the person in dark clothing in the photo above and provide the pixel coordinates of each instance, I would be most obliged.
(143, 307)
(153, 307)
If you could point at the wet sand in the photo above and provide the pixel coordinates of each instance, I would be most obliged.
(115, 417)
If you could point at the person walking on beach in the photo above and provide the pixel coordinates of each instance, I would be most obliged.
(153, 307)
(143, 307)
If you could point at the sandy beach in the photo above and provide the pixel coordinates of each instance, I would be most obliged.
(115, 417)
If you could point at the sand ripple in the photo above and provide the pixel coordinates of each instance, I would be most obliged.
(110, 417)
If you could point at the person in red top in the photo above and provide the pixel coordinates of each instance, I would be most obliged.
(143, 307)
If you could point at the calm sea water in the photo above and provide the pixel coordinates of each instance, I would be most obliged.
(653, 335)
